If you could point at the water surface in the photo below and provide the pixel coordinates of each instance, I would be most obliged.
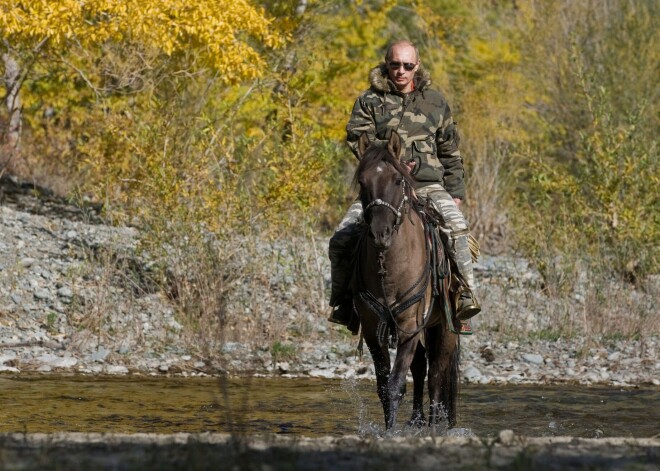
(308, 407)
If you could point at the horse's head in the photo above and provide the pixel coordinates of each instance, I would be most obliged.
(385, 187)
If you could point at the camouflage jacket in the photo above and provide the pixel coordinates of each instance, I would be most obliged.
(423, 120)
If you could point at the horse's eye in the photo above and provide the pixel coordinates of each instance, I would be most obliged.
(399, 180)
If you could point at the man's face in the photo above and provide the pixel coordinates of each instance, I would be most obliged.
(402, 58)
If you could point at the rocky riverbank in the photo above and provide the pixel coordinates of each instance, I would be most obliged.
(72, 300)
(210, 451)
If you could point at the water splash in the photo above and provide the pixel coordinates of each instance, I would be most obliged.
(366, 424)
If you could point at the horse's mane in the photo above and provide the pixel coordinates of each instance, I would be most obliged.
(376, 154)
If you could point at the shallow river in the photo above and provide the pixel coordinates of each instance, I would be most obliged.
(309, 407)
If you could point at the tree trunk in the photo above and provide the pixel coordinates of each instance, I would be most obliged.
(302, 6)
(12, 135)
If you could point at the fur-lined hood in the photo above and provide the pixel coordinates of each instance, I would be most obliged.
(380, 81)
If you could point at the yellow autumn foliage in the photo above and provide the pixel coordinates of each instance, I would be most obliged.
(219, 31)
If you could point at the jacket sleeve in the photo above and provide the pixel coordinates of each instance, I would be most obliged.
(447, 140)
(361, 121)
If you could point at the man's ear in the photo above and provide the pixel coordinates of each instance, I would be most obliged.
(363, 144)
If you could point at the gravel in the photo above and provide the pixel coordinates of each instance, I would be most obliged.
(63, 310)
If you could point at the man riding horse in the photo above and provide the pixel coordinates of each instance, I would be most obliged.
(400, 100)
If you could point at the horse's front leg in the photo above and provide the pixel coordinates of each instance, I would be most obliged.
(418, 369)
(396, 386)
(381, 358)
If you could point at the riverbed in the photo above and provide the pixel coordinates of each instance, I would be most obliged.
(309, 407)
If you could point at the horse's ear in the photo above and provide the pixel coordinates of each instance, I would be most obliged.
(363, 144)
(394, 144)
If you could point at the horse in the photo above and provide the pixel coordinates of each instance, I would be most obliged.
(394, 293)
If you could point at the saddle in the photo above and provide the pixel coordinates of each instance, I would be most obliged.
(447, 279)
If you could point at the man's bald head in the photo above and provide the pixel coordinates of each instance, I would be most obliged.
(398, 44)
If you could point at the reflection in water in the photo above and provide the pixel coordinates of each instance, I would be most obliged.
(310, 407)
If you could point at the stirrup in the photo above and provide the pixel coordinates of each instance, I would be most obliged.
(340, 315)
(469, 309)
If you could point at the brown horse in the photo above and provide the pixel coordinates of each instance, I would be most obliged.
(395, 296)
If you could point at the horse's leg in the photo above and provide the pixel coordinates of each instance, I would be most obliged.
(418, 369)
(443, 353)
(381, 359)
(396, 386)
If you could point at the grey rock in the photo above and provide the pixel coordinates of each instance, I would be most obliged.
(27, 262)
(533, 358)
(7, 357)
(54, 361)
(65, 292)
(116, 370)
(319, 373)
(506, 437)
(614, 356)
(100, 355)
(471, 373)
(42, 294)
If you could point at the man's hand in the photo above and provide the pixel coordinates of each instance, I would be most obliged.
(458, 202)
(410, 165)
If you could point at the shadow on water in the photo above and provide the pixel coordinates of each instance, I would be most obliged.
(310, 407)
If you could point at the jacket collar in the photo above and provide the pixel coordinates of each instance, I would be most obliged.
(380, 81)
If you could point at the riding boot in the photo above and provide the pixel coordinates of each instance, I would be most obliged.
(340, 253)
(341, 300)
(467, 305)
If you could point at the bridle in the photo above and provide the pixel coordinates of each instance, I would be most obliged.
(397, 211)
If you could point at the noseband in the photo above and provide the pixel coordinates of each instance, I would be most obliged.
(396, 211)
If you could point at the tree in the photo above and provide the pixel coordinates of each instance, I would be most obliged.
(224, 35)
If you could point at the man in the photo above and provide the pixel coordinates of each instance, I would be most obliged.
(400, 100)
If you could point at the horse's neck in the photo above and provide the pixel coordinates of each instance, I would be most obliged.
(411, 230)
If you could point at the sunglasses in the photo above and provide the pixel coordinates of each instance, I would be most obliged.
(396, 65)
